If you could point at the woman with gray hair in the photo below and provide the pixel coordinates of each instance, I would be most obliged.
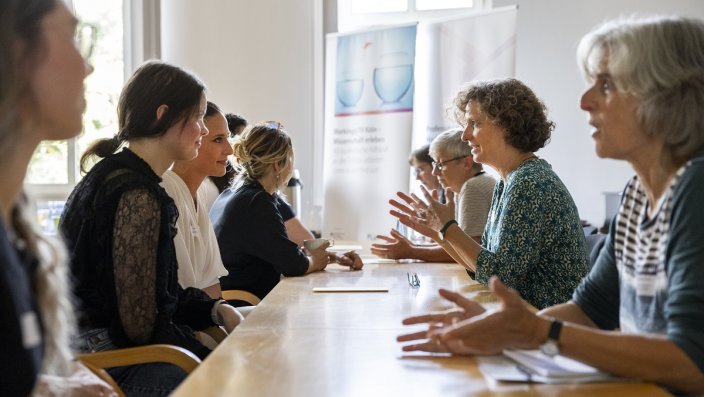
(533, 238)
(639, 313)
(455, 169)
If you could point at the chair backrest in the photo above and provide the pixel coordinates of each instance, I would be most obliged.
(240, 295)
(594, 246)
(99, 361)
(589, 229)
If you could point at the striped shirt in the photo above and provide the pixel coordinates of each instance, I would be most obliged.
(640, 251)
(474, 202)
(648, 278)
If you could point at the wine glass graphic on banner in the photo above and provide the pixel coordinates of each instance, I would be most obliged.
(392, 76)
(349, 88)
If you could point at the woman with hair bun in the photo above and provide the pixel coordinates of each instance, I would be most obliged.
(248, 222)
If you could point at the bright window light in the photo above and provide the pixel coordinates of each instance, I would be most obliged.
(54, 162)
(375, 6)
(423, 5)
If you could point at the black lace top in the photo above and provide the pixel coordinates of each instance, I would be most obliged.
(119, 226)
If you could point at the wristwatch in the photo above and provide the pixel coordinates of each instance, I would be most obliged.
(444, 229)
(550, 347)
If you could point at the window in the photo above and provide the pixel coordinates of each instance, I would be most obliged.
(53, 170)
(424, 5)
(371, 6)
(358, 14)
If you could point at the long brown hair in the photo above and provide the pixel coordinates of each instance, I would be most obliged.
(153, 84)
(20, 21)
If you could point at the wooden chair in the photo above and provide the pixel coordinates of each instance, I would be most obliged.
(236, 294)
(99, 361)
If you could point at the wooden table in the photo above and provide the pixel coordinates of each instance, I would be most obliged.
(301, 343)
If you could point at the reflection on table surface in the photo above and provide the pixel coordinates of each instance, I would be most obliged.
(301, 343)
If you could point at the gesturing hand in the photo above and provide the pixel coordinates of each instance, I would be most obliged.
(437, 321)
(408, 212)
(436, 214)
(512, 326)
(396, 247)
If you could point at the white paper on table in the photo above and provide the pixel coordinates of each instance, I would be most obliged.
(534, 366)
(350, 289)
(343, 248)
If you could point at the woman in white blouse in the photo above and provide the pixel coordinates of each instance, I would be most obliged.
(197, 251)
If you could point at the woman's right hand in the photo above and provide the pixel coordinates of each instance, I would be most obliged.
(465, 309)
(318, 259)
(395, 247)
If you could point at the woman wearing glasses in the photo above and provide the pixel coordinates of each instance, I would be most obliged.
(42, 98)
(248, 220)
(533, 239)
(452, 165)
(421, 162)
(639, 313)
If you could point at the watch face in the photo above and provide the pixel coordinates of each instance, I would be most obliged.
(550, 348)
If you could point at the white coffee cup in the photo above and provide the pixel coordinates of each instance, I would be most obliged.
(317, 242)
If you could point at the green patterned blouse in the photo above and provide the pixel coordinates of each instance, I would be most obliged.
(533, 240)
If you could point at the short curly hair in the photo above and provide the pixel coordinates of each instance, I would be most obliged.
(511, 105)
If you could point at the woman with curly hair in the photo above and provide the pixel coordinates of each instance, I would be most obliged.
(533, 239)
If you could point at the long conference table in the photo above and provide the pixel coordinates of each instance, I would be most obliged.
(303, 343)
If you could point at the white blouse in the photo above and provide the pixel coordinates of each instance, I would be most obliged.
(197, 250)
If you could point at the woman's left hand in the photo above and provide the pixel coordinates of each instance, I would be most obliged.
(435, 214)
(230, 316)
(350, 259)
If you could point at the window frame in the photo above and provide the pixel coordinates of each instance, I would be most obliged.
(141, 41)
(347, 21)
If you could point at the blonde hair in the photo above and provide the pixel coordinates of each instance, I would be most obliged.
(259, 148)
(51, 287)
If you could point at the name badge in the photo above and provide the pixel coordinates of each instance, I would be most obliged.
(31, 335)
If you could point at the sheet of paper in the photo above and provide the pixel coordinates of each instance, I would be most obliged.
(351, 289)
(534, 366)
(343, 248)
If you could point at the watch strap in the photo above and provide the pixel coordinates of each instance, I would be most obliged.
(554, 333)
(445, 227)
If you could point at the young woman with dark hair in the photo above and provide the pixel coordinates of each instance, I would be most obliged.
(119, 224)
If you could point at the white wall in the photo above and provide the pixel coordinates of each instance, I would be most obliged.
(257, 59)
(548, 32)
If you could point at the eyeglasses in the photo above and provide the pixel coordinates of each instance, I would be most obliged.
(420, 170)
(275, 125)
(441, 165)
(85, 38)
(413, 279)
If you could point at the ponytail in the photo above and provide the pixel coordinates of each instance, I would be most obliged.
(101, 148)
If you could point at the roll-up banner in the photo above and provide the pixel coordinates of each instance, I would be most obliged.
(387, 91)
